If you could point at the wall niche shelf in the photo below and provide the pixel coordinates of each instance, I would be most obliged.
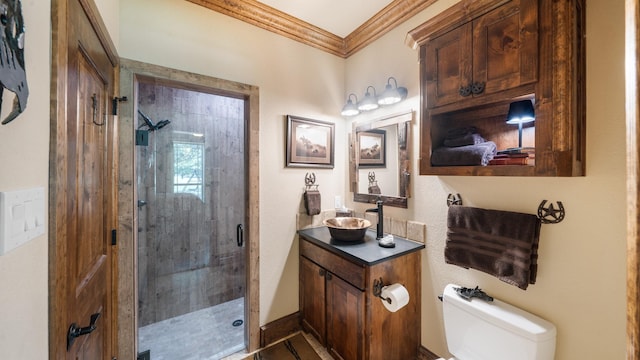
(479, 56)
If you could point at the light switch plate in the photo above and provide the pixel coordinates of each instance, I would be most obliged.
(337, 202)
(21, 217)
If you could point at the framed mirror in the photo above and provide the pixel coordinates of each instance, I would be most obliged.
(379, 160)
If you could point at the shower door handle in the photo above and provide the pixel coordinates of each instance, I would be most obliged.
(240, 235)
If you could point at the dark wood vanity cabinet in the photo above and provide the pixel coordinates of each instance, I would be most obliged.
(337, 304)
(332, 310)
(479, 56)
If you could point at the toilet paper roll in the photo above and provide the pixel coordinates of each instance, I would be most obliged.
(398, 295)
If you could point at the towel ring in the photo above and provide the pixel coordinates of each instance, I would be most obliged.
(454, 200)
(310, 181)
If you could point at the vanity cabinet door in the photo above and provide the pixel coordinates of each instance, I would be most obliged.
(345, 319)
(505, 47)
(312, 298)
(448, 67)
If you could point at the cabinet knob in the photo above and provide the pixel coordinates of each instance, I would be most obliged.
(321, 272)
(477, 87)
(328, 276)
(464, 91)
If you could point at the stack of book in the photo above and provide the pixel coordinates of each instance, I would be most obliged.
(510, 158)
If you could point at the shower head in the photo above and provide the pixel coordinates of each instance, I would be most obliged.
(162, 123)
(147, 121)
(150, 124)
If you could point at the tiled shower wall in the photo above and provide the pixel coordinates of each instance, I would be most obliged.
(188, 256)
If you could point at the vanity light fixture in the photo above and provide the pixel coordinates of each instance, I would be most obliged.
(370, 102)
(520, 112)
(350, 108)
(392, 95)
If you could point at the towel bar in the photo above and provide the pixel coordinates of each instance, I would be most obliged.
(547, 215)
(550, 215)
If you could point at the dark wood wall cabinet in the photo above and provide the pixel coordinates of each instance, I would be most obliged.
(479, 56)
(337, 304)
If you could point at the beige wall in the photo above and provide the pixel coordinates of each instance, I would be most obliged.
(24, 147)
(24, 163)
(581, 277)
(582, 260)
(293, 79)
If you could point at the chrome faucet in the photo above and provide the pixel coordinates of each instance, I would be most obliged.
(378, 209)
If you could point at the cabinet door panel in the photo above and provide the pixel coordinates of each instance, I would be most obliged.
(345, 320)
(448, 66)
(312, 298)
(505, 46)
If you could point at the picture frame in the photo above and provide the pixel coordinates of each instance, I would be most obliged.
(372, 152)
(310, 143)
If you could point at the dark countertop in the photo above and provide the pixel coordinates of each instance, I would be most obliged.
(366, 252)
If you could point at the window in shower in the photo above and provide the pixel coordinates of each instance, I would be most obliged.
(188, 168)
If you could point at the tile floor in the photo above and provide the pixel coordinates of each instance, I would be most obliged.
(206, 334)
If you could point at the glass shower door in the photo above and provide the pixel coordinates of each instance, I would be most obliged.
(191, 206)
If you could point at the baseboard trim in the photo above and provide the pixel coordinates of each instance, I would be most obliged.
(426, 354)
(290, 324)
(279, 329)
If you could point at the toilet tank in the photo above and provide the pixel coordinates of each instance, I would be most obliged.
(481, 330)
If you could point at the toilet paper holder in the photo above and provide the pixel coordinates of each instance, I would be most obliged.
(377, 290)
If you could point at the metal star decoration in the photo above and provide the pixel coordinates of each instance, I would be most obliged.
(550, 215)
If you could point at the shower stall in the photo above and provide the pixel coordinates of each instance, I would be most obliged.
(190, 149)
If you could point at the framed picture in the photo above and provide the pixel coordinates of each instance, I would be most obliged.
(310, 143)
(371, 149)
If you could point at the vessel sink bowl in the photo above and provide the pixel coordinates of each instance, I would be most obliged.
(347, 228)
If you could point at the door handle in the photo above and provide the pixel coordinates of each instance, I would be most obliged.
(240, 235)
(75, 331)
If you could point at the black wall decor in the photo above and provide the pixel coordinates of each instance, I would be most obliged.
(12, 71)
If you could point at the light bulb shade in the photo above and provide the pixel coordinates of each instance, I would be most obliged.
(369, 102)
(392, 95)
(350, 108)
(521, 112)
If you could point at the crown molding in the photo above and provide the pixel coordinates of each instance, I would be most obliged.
(268, 18)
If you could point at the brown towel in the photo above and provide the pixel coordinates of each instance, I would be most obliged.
(312, 202)
(501, 243)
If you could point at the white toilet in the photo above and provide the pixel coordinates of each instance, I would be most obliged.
(481, 330)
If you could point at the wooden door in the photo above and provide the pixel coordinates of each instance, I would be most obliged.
(448, 67)
(505, 47)
(82, 192)
(312, 298)
(345, 319)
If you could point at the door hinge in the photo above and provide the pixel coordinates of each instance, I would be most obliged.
(114, 237)
(115, 101)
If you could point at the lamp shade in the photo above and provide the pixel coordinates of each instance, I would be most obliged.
(392, 95)
(521, 112)
(369, 102)
(350, 108)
